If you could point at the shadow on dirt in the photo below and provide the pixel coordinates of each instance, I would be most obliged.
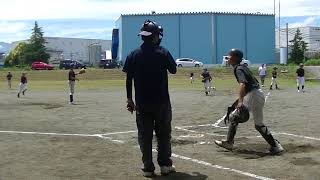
(181, 175)
(44, 105)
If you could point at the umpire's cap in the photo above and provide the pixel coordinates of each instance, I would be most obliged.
(150, 27)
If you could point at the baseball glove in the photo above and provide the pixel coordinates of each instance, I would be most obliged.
(82, 71)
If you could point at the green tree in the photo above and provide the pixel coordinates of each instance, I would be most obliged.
(37, 46)
(15, 56)
(26, 53)
(299, 47)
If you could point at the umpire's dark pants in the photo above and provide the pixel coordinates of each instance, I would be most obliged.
(157, 118)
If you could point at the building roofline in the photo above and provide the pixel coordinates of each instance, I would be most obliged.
(62, 38)
(199, 13)
(302, 27)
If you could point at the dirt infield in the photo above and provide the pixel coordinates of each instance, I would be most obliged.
(43, 137)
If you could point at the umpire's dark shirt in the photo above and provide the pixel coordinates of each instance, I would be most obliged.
(148, 66)
(244, 75)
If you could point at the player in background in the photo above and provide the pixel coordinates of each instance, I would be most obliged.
(9, 77)
(300, 78)
(23, 85)
(274, 78)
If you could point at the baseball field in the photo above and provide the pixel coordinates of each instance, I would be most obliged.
(43, 137)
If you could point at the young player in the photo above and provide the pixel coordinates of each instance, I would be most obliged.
(252, 98)
(262, 73)
(206, 79)
(22, 85)
(191, 78)
(9, 77)
(274, 78)
(71, 80)
(300, 78)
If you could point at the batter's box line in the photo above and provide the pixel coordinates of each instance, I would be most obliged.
(102, 136)
(185, 128)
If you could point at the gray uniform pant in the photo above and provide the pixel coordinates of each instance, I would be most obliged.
(71, 86)
(254, 101)
(156, 119)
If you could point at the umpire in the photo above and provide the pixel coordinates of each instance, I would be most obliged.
(252, 97)
(147, 66)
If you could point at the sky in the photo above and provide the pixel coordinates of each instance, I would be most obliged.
(95, 18)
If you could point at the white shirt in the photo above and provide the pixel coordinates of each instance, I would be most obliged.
(262, 71)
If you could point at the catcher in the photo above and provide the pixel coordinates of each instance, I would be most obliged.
(71, 80)
(251, 98)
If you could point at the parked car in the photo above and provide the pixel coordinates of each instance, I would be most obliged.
(188, 62)
(110, 64)
(67, 64)
(38, 65)
(225, 61)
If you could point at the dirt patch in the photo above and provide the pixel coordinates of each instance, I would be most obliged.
(294, 148)
(180, 142)
(304, 161)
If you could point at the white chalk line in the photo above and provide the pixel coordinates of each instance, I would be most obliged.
(102, 136)
(211, 134)
(300, 136)
(218, 166)
(184, 128)
(192, 131)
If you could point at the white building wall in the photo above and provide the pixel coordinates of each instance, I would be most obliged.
(71, 48)
(310, 35)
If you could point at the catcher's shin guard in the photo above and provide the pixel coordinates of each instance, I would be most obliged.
(71, 98)
(266, 134)
(232, 130)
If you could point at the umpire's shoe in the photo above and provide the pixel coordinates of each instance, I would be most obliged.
(166, 170)
(148, 174)
(224, 144)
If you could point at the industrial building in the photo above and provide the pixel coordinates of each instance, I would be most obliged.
(88, 51)
(310, 35)
(204, 36)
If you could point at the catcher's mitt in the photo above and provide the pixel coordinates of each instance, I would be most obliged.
(82, 71)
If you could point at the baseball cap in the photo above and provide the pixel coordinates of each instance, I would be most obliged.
(149, 27)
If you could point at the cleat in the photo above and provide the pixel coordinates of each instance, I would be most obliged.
(224, 144)
(277, 150)
(165, 170)
(148, 174)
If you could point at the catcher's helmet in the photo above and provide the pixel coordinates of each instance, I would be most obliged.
(150, 27)
(240, 115)
(236, 52)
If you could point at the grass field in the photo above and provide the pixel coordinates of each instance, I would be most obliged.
(101, 79)
(43, 137)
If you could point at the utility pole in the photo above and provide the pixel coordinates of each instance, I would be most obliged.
(274, 7)
(279, 27)
(287, 39)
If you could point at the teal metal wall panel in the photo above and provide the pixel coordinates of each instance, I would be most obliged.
(230, 34)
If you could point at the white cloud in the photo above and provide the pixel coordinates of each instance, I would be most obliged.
(111, 9)
(12, 27)
(307, 22)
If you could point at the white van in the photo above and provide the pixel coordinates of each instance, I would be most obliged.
(225, 61)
